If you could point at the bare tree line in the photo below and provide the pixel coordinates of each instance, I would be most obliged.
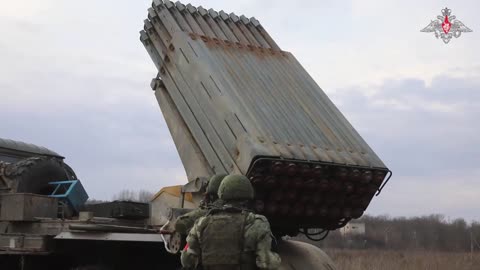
(133, 196)
(143, 196)
(432, 232)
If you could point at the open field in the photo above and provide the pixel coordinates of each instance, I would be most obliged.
(402, 260)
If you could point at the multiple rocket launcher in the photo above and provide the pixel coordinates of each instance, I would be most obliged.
(236, 103)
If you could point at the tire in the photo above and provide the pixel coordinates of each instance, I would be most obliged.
(300, 255)
(32, 175)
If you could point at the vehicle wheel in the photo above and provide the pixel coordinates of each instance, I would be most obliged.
(300, 255)
(32, 175)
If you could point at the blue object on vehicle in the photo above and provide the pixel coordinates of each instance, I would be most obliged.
(70, 191)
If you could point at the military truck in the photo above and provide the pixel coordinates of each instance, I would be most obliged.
(45, 224)
(41, 230)
(234, 102)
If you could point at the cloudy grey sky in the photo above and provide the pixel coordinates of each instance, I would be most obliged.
(75, 78)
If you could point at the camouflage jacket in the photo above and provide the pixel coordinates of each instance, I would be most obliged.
(257, 241)
(185, 222)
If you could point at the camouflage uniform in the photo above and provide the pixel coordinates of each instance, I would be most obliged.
(185, 222)
(231, 237)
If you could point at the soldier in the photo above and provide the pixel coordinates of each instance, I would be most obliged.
(185, 222)
(231, 237)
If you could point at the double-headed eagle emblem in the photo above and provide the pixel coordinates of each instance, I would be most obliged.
(446, 26)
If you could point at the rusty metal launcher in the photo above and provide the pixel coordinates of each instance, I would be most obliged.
(236, 103)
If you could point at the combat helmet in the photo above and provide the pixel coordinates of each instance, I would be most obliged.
(214, 184)
(235, 187)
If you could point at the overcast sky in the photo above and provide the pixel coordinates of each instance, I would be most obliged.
(75, 78)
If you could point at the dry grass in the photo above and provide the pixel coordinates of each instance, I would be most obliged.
(401, 260)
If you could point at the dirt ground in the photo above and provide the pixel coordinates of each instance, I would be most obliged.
(403, 260)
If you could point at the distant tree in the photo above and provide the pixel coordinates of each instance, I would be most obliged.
(143, 196)
(125, 195)
(431, 232)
